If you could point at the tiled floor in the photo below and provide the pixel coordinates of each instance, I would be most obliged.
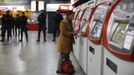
(31, 58)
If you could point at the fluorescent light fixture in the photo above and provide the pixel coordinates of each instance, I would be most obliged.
(70, 7)
(4, 8)
(33, 5)
(41, 5)
(52, 7)
(72, 2)
(64, 7)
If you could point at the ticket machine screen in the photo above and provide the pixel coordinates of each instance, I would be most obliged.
(122, 36)
(78, 19)
(85, 20)
(76, 13)
(117, 37)
(129, 39)
(97, 25)
(97, 29)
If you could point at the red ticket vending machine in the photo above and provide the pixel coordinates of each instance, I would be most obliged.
(118, 39)
(95, 53)
(77, 18)
(82, 40)
(77, 11)
(85, 20)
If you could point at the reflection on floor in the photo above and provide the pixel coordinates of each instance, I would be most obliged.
(31, 58)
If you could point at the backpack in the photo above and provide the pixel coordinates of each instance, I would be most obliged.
(68, 67)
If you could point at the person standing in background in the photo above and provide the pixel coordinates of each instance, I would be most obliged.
(57, 19)
(65, 40)
(7, 21)
(42, 25)
(23, 26)
(17, 25)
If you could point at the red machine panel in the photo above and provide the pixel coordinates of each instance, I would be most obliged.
(97, 22)
(118, 33)
(78, 20)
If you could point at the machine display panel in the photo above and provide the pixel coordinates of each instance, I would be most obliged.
(97, 25)
(85, 20)
(78, 19)
(92, 26)
(97, 29)
(128, 40)
(117, 37)
(100, 12)
(75, 15)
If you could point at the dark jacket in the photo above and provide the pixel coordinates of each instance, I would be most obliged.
(57, 19)
(23, 21)
(42, 20)
(17, 22)
(7, 21)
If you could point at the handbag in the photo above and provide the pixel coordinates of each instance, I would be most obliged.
(67, 67)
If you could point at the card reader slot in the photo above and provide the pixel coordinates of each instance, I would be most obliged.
(92, 50)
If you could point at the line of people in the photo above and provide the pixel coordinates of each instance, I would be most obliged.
(18, 24)
(13, 26)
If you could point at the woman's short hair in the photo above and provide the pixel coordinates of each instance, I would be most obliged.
(69, 13)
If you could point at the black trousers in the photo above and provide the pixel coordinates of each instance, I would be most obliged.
(55, 30)
(26, 34)
(44, 32)
(4, 30)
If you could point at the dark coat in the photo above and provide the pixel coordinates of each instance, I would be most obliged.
(42, 20)
(57, 19)
(23, 21)
(7, 21)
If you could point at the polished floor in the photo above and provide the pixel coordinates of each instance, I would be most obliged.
(31, 58)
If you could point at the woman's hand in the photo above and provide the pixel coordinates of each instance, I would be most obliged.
(75, 33)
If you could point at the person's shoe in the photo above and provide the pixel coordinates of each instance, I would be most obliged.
(53, 40)
(2, 40)
(8, 40)
(20, 40)
(60, 72)
(26, 40)
(38, 40)
(45, 40)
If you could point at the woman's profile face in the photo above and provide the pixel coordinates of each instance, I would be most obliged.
(71, 17)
